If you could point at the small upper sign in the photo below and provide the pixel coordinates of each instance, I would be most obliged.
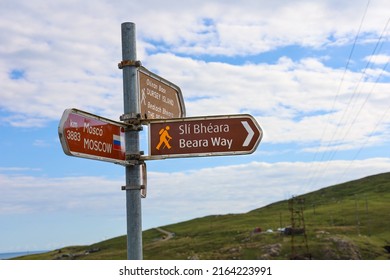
(158, 98)
(89, 136)
(204, 136)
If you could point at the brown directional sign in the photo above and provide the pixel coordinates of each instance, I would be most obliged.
(204, 136)
(89, 136)
(159, 98)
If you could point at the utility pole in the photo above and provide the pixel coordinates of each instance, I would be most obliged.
(298, 227)
(131, 116)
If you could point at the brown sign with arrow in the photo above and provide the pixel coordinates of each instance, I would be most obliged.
(204, 136)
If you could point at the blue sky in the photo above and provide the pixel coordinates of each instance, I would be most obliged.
(314, 74)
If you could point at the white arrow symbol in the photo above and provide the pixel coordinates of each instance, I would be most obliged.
(250, 133)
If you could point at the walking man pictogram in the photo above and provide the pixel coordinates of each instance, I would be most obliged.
(143, 97)
(164, 138)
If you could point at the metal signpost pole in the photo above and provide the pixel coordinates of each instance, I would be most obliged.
(131, 115)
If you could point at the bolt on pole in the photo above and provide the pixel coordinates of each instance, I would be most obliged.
(133, 174)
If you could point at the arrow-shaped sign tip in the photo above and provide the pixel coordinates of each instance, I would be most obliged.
(250, 131)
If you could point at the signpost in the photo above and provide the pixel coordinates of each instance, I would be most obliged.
(89, 136)
(203, 136)
(150, 99)
(131, 110)
(158, 98)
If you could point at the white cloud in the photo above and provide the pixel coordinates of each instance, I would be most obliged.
(378, 59)
(237, 189)
(32, 194)
(294, 101)
(177, 196)
(13, 169)
(68, 52)
(250, 27)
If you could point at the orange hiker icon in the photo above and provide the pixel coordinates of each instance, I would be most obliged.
(164, 138)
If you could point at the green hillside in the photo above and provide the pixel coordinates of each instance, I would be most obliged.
(346, 221)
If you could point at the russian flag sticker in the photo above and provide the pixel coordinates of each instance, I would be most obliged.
(117, 142)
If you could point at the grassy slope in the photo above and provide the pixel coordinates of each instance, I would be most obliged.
(346, 221)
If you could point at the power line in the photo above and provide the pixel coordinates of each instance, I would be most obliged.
(375, 127)
(356, 95)
(357, 86)
(312, 176)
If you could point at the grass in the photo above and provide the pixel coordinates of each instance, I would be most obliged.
(346, 221)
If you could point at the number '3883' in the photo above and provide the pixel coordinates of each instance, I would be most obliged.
(73, 135)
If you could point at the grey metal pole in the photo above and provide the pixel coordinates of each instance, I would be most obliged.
(131, 112)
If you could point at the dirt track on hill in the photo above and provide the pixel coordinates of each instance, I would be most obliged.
(168, 235)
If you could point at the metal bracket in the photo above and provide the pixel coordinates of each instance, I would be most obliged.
(134, 127)
(125, 63)
(135, 157)
(130, 117)
(133, 121)
(133, 188)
